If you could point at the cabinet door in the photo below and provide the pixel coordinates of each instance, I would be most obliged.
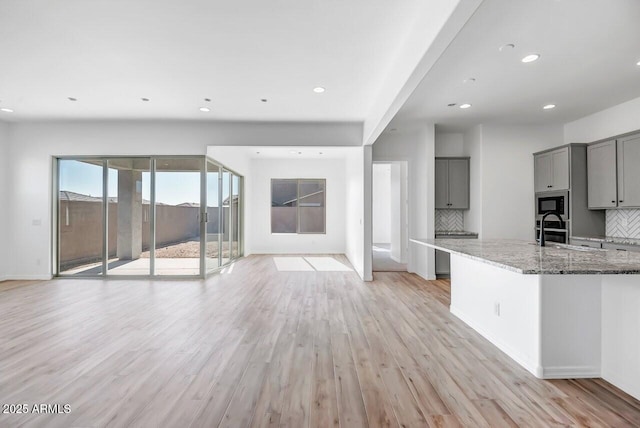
(442, 183)
(459, 183)
(560, 169)
(620, 247)
(601, 175)
(543, 173)
(629, 171)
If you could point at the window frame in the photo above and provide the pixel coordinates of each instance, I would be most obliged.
(324, 206)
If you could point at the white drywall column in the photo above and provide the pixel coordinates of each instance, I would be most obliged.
(368, 208)
(4, 200)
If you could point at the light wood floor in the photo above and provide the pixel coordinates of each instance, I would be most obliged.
(258, 347)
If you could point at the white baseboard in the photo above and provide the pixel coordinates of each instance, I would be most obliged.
(531, 366)
(28, 278)
(570, 372)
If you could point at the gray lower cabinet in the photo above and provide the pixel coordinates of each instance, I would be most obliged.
(620, 247)
(586, 243)
(452, 183)
(443, 263)
(613, 171)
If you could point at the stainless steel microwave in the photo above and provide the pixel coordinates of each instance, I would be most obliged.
(552, 201)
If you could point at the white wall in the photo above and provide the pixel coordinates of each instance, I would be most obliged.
(33, 144)
(613, 121)
(263, 241)
(449, 144)
(473, 148)
(381, 203)
(502, 203)
(417, 147)
(4, 198)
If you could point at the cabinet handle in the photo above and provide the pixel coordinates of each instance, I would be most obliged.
(620, 200)
(613, 202)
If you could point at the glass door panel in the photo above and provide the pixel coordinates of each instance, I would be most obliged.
(80, 217)
(128, 234)
(213, 217)
(235, 212)
(177, 216)
(226, 217)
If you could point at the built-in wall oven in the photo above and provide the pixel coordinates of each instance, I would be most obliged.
(555, 230)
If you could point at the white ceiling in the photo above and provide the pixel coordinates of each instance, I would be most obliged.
(589, 50)
(110, 53)
(293, 152)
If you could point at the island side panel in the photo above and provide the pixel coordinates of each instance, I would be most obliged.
(621, 332)
(571, 327)
(501, 305)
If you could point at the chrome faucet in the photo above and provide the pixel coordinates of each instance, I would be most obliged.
(555, 213)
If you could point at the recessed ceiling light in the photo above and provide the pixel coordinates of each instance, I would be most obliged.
(207, 100)
(145, 99)
(465, 105)
(205, 109)
(299, 153)
(393, 129)
(451, 105)
(638, 63)
(72, 99)
(549, 106)
(319, 153)
(257, 153)
(469, 80)
(531, 58)
(264, 100)
(318, 89)
(6, 110)
(506, 47)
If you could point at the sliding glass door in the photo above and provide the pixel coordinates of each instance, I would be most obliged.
(146, 216)
(129, 226)
(178, 216)
(81, 217)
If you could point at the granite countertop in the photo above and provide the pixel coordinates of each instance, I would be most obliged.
(528, 258)
(609, 239)
(455, 233)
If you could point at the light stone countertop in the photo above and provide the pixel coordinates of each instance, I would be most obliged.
(528, 258)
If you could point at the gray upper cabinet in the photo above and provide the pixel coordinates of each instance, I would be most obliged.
(613, 169)
(452, 183)
(601, 175)
(629, 171)
(442, 183)
(551, 170)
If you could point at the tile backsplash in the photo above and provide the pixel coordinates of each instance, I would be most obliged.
(451, 220)
(623, 223)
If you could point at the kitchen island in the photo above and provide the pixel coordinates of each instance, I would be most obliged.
(559, 311)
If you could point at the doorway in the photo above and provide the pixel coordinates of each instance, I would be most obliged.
(390, 217)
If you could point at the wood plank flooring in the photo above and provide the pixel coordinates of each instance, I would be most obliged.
(261, 348)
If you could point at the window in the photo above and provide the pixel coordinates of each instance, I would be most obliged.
(298, 206)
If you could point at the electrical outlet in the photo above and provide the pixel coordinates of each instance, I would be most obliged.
(496, 309)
